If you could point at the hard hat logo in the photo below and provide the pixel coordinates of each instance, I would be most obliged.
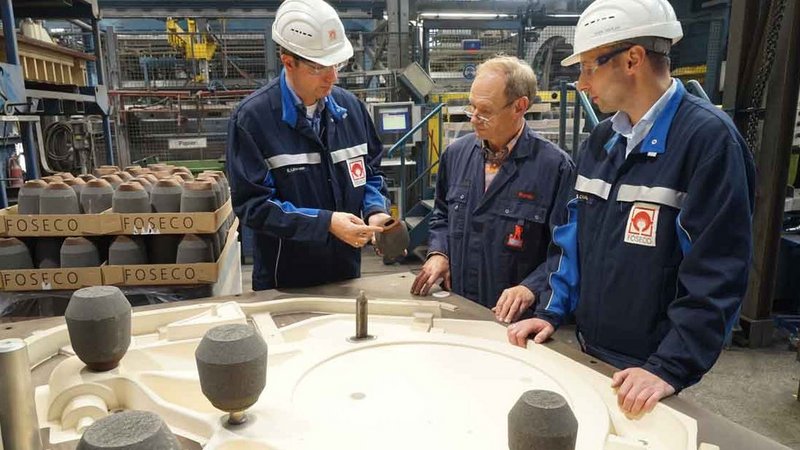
(321, 40)
(607, 22)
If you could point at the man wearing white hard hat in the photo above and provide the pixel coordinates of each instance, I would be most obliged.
(303, 159)
(655, 255)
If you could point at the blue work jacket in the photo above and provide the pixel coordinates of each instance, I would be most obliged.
(654, 257)
(475, 228)
(286, 181)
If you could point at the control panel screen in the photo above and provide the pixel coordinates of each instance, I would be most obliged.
(394, 121)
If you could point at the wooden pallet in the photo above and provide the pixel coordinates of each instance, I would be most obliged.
(49, 63)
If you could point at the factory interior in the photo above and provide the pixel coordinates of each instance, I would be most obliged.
(177, 273)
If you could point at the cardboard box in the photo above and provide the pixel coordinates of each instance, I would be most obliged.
(43, 225)
(66, 225)
(50, 279)
(171, 274)
(171, 223)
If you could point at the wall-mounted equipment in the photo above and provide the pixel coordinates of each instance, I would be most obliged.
(416, 80)
(393, 120)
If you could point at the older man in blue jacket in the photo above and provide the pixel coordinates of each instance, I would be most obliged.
(303, 159)
(654, 257)
(495, 193)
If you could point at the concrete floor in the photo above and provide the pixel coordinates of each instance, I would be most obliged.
(756, 388)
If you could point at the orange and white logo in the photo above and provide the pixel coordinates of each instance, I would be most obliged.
(642, 225)
(358, 173)
(331, 35)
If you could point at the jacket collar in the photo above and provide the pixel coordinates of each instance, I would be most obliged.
(291, 103)
(655, 142)
(522, 147)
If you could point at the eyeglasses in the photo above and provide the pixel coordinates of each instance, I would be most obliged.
(316, 69)
(588, 71)
(469, 111)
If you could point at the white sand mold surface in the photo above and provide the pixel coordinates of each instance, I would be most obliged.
(424, 382)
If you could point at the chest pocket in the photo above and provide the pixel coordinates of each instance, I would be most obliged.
(457, 208)
(522, 210)
(511, 214)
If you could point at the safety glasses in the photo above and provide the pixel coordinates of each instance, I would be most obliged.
(588, 71)
(318, 70)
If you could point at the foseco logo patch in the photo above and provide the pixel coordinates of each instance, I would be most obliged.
(358, 172)
(642, 225)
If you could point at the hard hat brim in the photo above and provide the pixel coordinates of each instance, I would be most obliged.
(570, 60)
(339, 56)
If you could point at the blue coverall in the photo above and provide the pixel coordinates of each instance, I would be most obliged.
(287, 180)
(654, 257)
(476, 229)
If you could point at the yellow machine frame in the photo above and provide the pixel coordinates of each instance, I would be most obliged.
(195, 45)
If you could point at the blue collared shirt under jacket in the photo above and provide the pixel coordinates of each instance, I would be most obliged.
(472, 225)
(286, 182)
(654, 257)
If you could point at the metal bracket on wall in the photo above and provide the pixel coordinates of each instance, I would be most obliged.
(87, 100)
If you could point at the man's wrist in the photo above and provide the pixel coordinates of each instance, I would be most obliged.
(533, 292)
(428, 256)
(374, 212)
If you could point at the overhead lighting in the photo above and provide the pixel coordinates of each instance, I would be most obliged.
(454, 15)
(565, 16)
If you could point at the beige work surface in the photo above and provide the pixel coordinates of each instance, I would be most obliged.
(438, 375)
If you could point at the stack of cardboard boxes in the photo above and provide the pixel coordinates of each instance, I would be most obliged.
(153, 226)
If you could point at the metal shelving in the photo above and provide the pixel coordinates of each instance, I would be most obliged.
(45, 99)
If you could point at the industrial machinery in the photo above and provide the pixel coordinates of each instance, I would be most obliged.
(547, 63)
(70, 145)
(198, 47)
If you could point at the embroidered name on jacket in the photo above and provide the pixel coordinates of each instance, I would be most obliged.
(526, 195)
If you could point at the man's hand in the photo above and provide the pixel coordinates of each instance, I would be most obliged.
(435, 268)
(540, 329)
(512, 303)
(377, 220)
(639, 390)
(351, 230)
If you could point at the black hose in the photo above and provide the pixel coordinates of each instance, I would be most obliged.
(58, 146)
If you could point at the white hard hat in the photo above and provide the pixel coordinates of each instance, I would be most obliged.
(607, 21)
(311, 29)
